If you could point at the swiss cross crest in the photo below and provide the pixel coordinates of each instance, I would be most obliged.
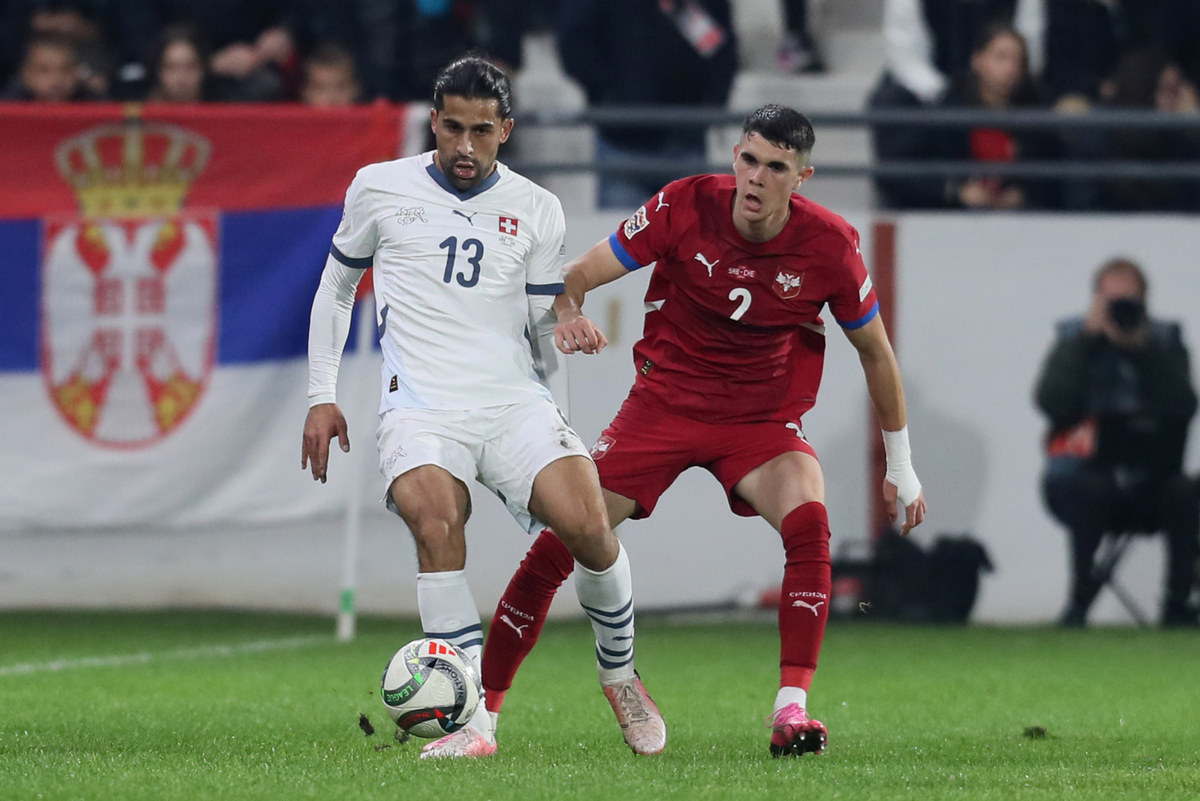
(129, 286)
(602, 445)
(508, 225)
(787, 284)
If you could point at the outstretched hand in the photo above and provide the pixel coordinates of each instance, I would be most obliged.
(578, 333)
(914, 512)
(325, 421)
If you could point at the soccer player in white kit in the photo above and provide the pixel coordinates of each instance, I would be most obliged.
(468, 260)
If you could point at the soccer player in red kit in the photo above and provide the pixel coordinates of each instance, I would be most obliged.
(729, 361)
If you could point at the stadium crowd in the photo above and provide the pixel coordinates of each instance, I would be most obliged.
(1067, 55)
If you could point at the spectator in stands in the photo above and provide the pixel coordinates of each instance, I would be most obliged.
(648, 54)
(1117, 389)
(180, 67)
(799, 53)
(49, 72)
(1146, 80)
(329, 78)
(998, 79)
(253, 56)
(1176, 33)
(78, 21)
(927, 42)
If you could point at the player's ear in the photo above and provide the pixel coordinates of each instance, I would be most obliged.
(505, 130)
(737, 149)
(806, 172)
(433, 119)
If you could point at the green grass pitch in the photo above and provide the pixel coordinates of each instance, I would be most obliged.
(208, 705)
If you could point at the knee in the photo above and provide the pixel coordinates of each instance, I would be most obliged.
(805, 534)
(584, 525)
(1078, 495)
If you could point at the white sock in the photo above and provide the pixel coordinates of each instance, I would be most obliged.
(607, 598)
(790, 695)
(448, 612)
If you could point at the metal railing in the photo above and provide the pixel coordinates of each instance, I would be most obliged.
(703, 117)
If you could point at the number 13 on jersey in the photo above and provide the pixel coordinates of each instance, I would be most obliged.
(450, 244)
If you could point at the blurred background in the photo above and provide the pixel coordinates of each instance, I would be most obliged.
(171, 175)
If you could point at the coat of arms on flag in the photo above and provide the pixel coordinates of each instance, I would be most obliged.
(129, 286)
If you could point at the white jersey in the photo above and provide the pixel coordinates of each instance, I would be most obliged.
(452, 272)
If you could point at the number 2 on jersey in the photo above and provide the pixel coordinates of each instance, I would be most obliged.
(742, 294)
(450, 244)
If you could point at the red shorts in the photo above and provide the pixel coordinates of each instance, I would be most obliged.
(645, 449)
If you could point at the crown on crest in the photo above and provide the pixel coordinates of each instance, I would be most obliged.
(132, 169)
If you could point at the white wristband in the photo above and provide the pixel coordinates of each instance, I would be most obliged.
(900, 472)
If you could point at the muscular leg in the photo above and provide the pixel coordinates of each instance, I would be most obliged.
(789, 492)
(523, 607)
(435, 506)
(566, 494)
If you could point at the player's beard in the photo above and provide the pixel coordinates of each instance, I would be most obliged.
(459, 182)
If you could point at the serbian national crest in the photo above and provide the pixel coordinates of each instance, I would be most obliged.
(787, 284)
(129, 285)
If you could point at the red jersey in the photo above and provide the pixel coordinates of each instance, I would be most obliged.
(733, 331)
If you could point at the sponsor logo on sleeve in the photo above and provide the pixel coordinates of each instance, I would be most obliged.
(864, 289)
(602, 446)
(636, 223)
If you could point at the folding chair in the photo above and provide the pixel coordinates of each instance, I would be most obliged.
(1108, 556)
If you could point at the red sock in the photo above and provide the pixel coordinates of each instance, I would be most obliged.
(521, 612)
(804, 602)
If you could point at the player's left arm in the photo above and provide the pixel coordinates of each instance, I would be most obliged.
(886, 389)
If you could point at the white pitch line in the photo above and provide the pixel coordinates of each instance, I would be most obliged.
(120, 660)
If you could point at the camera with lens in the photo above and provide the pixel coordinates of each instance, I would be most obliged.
(1127, 314)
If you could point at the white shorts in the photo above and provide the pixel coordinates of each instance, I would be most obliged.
(504, 447)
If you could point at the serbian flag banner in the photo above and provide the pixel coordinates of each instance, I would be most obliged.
(157, 267)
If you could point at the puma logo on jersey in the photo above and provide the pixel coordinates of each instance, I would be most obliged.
(466, 216)
(660, 202)
(807, 605)
(700, 258)
(796, 427)
(514, 626)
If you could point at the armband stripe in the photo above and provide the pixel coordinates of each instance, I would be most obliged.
(861, 321)
(357, 264)
(545, 289)
(622, 254)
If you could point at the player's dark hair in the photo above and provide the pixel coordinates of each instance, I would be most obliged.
(1120, 264)
(781, 126)
(475, 78)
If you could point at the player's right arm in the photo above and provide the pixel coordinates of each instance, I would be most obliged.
(575, 332)
(607, 261)
(328, 326)
(352, 251)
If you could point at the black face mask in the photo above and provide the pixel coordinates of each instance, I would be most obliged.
(1127, 313)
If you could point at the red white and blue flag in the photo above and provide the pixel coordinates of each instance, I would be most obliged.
(157, 266)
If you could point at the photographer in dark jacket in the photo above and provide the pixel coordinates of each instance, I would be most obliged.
(1117, 389)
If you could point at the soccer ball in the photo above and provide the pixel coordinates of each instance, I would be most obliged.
(430, 688)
